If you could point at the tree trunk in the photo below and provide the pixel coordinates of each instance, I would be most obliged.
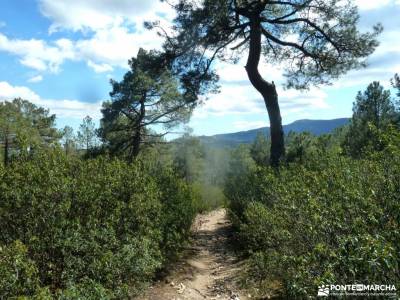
(268, 92)
(6, 148)
(137, 136)
(135, 147)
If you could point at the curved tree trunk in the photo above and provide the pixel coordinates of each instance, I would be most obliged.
(268, 92)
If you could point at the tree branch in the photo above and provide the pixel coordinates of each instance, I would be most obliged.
(307, 21)
(288, 44)
(241, 43)
(155, 119)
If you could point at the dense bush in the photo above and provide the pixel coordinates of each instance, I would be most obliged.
(203, 167)
(179, 207)
(18, 273)
(329, 220)
(95, 229)
(210, 196)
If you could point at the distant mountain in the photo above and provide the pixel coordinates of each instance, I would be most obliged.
(316, 127)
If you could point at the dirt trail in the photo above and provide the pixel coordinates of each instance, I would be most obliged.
(210, 269)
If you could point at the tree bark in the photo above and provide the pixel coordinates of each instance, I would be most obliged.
(135, 147)
(268, 92)
(6, 148)
(137, 136)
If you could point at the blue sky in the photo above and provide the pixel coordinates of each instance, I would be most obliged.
(61, 54)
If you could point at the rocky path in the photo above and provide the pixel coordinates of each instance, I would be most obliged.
(210, 269)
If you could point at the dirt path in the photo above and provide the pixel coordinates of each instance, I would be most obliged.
(210, 269)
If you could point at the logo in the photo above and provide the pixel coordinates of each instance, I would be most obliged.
(357, 290)
(323, 291)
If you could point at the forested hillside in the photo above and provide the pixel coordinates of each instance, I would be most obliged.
(316, 127)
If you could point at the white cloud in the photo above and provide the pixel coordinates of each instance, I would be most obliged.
(34, 63)
(98, 14)
(116, 34)
(362, 78)
(245, 100)
(9, 92)
(248, 125)
(236, 73)
(106, 49)
(232, 100)
(38, 54)
(72, 108)
(294, 100)
(116, 45)
(370, 4)
(232, 72)
(62, 108)
(100, 68)
(116, 26)
(36, 79)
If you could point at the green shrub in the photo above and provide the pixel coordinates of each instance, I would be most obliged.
(331, 220)
(178, 202)
(96, 227)
(18, 274)
(87, 289)
(208, 197)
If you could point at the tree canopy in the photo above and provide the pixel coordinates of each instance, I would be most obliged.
(69, 141)
(87, 133)
(23, 126)
(396, 84)
(316, 41)
(147, 97)
(373, 112)
(259, 149)
(374, 105)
